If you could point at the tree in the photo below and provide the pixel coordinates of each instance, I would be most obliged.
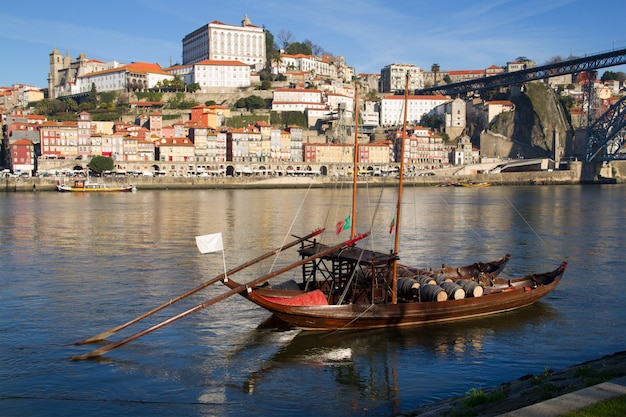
(100, 164)
(177, 83)
(435, 69)
(93, 96)
(193, 87)
(285, 38)
(614, 76)
(71, 106)
(296, 48)
(254, 102)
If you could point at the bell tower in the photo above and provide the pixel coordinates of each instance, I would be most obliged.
(56, 63)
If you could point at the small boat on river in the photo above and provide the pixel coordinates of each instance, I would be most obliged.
(85, 186)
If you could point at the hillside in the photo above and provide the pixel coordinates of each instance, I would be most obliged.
(537, 114)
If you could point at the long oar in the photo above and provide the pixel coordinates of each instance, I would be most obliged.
(237, 290)
(104, 335)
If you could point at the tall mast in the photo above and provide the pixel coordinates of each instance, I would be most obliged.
(356, 159)
(396, 247)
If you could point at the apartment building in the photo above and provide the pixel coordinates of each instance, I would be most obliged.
(392, 108)
(393, 78)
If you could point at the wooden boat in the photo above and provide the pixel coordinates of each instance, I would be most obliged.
(85, 186)
(316, 309)
(475, 184)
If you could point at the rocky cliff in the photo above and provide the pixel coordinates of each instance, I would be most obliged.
(538, 114)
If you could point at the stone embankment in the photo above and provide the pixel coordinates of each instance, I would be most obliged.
(11, 184)
(578, 173)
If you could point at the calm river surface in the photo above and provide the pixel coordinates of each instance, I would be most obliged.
(74, 265)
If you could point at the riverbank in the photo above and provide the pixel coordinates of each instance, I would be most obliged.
(528, 390)
(10, 184)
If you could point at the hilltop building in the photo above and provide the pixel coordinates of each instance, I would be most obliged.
(217, 41)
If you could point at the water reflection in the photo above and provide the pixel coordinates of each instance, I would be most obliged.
(72, 266)
(375, 361)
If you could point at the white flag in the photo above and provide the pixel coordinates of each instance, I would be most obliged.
(210, 243)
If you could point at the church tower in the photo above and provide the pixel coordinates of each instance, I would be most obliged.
(56, 63)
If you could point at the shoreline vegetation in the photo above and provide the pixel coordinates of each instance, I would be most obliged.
(527, 390)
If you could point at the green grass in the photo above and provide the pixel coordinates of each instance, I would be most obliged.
(474, 397)
(594, 377)
(615, 407)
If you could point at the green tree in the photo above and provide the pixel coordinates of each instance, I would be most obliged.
(100, 164)
(254, 102)
(296, 48)
(71, 106)
(241, 103)
(210, 103)
(177, 83)
(93, 96)
(616, 76)
(44, 107)
(108, 97)
(193, 87)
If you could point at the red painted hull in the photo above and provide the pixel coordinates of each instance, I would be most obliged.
(503, 295)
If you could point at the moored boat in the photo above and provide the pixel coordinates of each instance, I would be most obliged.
(85, 186)
(311, 310)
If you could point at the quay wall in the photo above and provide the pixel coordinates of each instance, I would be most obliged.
(571, 176)
(578, 173)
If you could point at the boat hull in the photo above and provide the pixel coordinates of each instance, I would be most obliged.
(93, 189)
(502, 296)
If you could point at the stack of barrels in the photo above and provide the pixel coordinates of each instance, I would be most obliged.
(437, 287)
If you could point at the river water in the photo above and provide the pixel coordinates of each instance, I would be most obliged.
(74, 265)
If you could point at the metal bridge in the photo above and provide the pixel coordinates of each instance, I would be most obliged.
(572, 66)
(607, 135)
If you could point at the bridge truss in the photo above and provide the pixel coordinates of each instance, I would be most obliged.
(607, 135)
(572, 66)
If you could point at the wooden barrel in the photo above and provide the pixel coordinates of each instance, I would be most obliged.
(425, 280)
(407, 287)
(441, 278)
(431, 292)
(454, 291)
(472, 289)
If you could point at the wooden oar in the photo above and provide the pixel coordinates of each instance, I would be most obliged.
(100, 337)
(243, 287)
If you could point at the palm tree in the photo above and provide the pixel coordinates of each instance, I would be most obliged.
(435, 69)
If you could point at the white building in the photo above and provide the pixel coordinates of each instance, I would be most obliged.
(137, 76)
(219, 41)
(393, 78)
(392, 108)
(217, 74)
(305, 63)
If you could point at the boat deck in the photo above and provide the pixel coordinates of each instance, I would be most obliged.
(351, 254)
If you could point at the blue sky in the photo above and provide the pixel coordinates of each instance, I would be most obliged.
(456, 34)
